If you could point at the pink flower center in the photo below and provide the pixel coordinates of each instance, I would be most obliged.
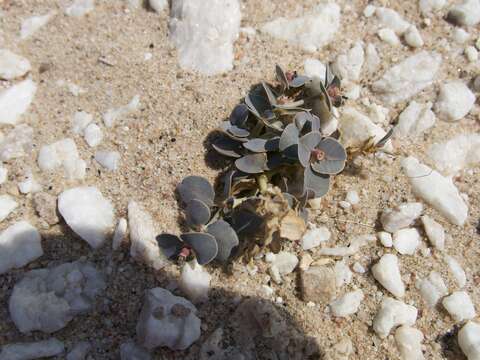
(318, 155)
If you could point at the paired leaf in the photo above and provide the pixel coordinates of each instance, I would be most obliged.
(170, 244)
(262, 145)
(315, 185)
(239, 115)
(196, 187)
(204, 246)
(289, 137)
(227, 147)
(226, 238)
(335, 157)
(299, 81)
(252, 163)
(270, 95)
(281, 77)
(258, 103)
(197, 213)
(306, 144)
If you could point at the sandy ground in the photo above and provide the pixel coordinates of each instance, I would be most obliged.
(165, 141)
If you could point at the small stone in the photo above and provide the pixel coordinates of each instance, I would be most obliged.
(471, 53)
(305, 262)
(372, 60)
(7, 205)
(344, 204)
(3, 174)
(435, 232)
(348, 66)
(120, 233)
(355, 245)
(15, 101)
(314, 237)
(466, 13)
(158, 5)
(29, 184)
(455, 100)
(432, 289)
(80, 8)
(348, 304)
(389, 36)
(406, 241)
(459, 306)
(387, 273)
(413, 37)
(369, 11)
(460, 36)
(17, 143)
(275, 274)
(80, 121)
(269, 257)
(195, 281)
(318, 284)
(341, 350)
(393, 313)
(12, 66)
(46, 207)
(392, 20)
(267, 291)
(409, 343)
(314, 68)
(285, 262)
(108, 159)
(93, 135)
(114, 114)
(343, 274)
(358, 268)
(352, 197)
(32, 350)
(469, 340)
(457, 271)
(400, 217)
(427, 7)
(131, 351)
(178, 329)
(414, 120)
(385, 239)
(32, 24)
(79, 351)
(62, 153)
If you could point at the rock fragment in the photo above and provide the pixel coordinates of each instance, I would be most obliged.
(457, 271)
(393, 313)
(32, 350)
(401, 216)
(406, 241)
(432, 288)
(435, 232)
(387, 273)
(12, 66)
(318, 284)
(46, 207)
(32, 24)
(79, 351)
(17, 143)
(409, 343)
(120, 233)
(7, 206)
(459, 306)
(80, 8)
(467, 13)
(195, 281)
(414, 120)
(15, 101)
(454, 102)
(347, 304)
(131, 351)
(469, 340)
(112, 115)
(62, 153)
(314, 237)
(108, 159)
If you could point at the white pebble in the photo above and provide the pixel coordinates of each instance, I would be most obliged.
(93, 135)
(17, 143)
(469, 340)
(120, 233)
(355, 245)
(406, 241)
(352, 197)
(429, 6)
(267, 291)
(80, 8)
(12, 66)
(195, 281)
(314, 237)
(467, 13)
(108, 159)
(269, 257)
(392, 20)
(344, 204)
(3, 174)
(369, 10)
(459, 306)
(348, 304)
(358, 268)
(414, 120)
(62, 153)
(285, 262)
(32, 24)
(385, 239)
(471, 53)
(314, 68)
(393, 313)
(80, 121)
(432, 289)
(401, 216)
(372, 59)
(343, 274)
(349, 65)
(158, 5)
(29, 184)
(389, 36)
(460, 36)
(457, 271)
(413, 37)
(409, 343)
(7, 205)
(113, 114)
(15, 101)
(455, 100)
(435, 232)
(33, 350)
(387, 273)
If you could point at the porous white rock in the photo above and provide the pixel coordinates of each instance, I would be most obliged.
(469, 340)
(408, 77)
(435, 232)
(3, 174)
(413, 38)
(343, 274)
(12, 65)
(352, 90)
(355, 244)
(414, 120)
(348, 304)
(427, 7)
(356, 128)
(93, 135)
(7, 205)
(131, 351)
(15, 101)
(158, 5)
(88, 213)
(456, 154)
(388, 35)
(387, 272)
(17, 143)
(349, 65)
(393, 313)
(195, 281)
(372, 59)
(457, 271)
(120, 233)
(312, 31)
(108, 159)
(80, 8)
(436, 190)
(79, 351)
(460, 36)
(285, 262)
(391, 19)
(113, 114)
(409, 343)
(471, 53)
(406, 241)
(314, 237)
(401, 216)
(80, 121)
(467, 13)
(20, 244)
(167, 320)
(203, 33)
(314, 68)
(385, 238)
(455, 100)
(47, 299)
(432, 288)
(29, 184)
(459, 306)
(369, 10)
(32, 350)
(358, 268)
(62, 153)
(144, 246)
(32, 24)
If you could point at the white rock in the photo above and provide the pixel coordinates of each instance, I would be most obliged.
(248, 31)
(343, 274)
(391, 19)
(438, 191)
(80, 8)
(457, 271)
(314, 68)
(79, 351)
(88, 213)
(93, 135)
(167, 320)
(458, 153)
(413, 37)
(460, 36)
(409, 343)
(32, 350)
(20, 244)
(432, 289)
(351, 90)
(388, 35)
(348, 304)
(387, 273)
(471, 53)
(400, 217)
(114, 114)
(130, 351)
(344, 204)
(358, 268)
(29, 184)
(385, 239)
(352, 197)
(120, 233)
(16, 143)
(285, 262)
(15, 101)
(369, 10)
(143, 234)
(62, 153)
(435, 232)
(393, 313)
(372, 59)
(108, 159)
(455, 100)
(80, 121)
(3, 174)
(378, 114)
(414, 120)
(204, 32)
(312, 31)
(467, 13)
(34, 23)
(355, 244)
(348, 66)
(195, 281)
(356, 128)
(74, 89)
(459, 306)
(408, 77)
(47, 299)
(406, 241)
(12, 65)
(314, 237)
(427, 7)
(469, 340)
(7, 205)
